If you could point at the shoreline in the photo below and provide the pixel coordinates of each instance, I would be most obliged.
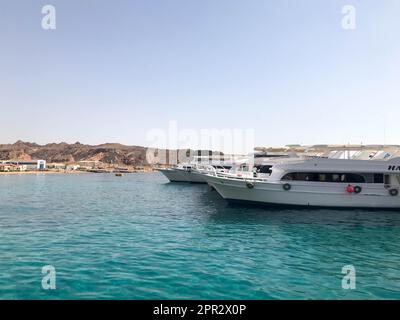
(62, 172)
(41, 172)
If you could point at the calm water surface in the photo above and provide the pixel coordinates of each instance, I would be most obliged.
(139, 237)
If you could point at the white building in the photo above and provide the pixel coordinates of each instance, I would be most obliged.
(31, 164)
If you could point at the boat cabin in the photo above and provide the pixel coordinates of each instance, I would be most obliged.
(339, 171)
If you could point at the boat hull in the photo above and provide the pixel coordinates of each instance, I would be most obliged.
(176, 175)
(303, 195)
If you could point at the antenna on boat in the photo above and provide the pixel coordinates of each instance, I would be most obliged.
(384, 133)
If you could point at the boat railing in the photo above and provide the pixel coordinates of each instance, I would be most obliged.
(242, 176)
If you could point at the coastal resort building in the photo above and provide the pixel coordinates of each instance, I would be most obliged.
(28, 165)
(88, 164)
(9, 167)
(56, 166)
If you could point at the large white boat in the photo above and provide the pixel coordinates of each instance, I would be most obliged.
(189, 172)
(195, 170)
(317, 182)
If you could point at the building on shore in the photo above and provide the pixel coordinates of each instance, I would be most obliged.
(88, 164)
(28, 165)
(56, 166)
(10, 167)
(72, 167)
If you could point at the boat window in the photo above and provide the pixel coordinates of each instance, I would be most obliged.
(352, 177)
(264, 169)
(378, 178)
(288, 176)
(325, 177)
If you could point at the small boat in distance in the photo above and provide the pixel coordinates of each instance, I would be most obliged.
(319, 182)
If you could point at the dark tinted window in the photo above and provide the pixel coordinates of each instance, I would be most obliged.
(352, 177)
(378, 178)
(264, 169)
(324, 177)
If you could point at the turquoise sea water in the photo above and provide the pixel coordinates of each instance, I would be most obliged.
(139, 237)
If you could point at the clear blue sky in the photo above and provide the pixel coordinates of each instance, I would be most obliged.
(113, 70)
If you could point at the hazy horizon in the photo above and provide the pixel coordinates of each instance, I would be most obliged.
(113, 72)
(189, 147)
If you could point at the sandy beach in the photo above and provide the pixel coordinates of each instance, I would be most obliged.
(42, 172)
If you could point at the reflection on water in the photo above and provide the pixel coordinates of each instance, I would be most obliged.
(245, 212)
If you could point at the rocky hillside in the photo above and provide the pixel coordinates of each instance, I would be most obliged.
(69, 153)
(110, 153)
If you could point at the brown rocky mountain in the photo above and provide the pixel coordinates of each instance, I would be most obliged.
(110, 153)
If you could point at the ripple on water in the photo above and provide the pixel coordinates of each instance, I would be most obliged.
(142, 238)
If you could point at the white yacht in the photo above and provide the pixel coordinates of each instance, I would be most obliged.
(189, 172)
(195, 170)
(244, 166)
(319, 182)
